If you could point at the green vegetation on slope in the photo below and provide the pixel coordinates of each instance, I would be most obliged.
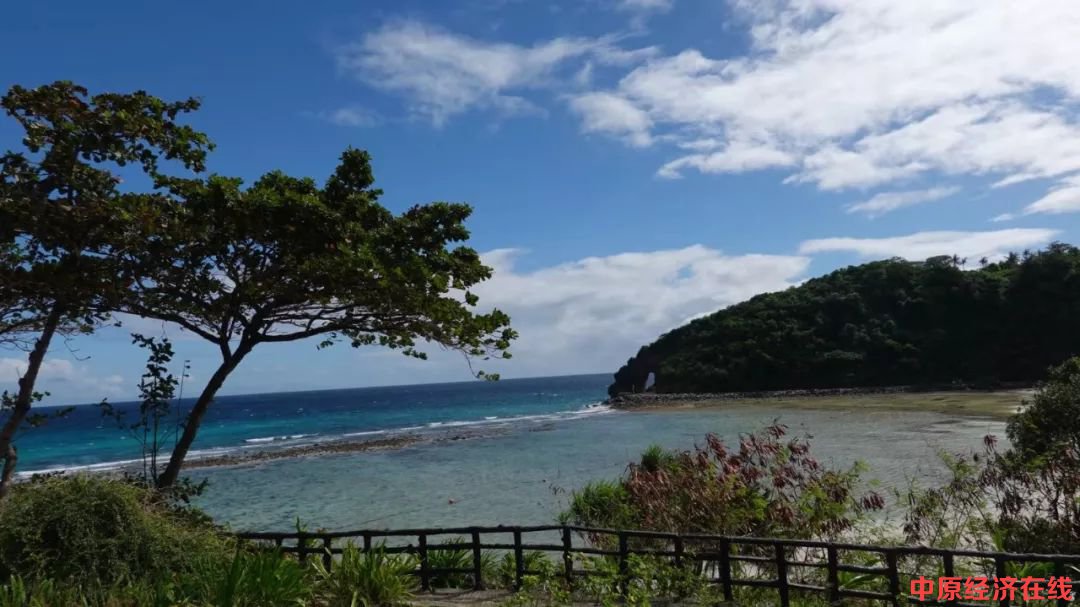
(883, 323)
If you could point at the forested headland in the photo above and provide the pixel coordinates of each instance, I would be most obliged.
(884, 323)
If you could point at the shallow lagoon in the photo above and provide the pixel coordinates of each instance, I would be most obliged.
(521, 476)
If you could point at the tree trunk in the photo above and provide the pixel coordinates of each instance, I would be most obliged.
(25, 397)
(191, 428)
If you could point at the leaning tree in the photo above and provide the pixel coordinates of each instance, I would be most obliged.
(65, 220)
(286, 260)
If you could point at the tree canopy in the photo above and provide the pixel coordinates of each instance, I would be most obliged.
(286, 259)
(282, 260)
(65, 222)
(882, 323)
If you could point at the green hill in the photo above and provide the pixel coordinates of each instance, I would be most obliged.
(883, 323)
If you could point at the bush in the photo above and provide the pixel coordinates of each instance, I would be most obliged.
(648, 580)
(367, 579)
(253, 579)
(768, 487)
(1023, 499)
(258, 578)
(89, 530)
(504, 573)
(454, 558)
(1051, 419)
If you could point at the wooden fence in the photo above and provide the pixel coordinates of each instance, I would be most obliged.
(723, 558)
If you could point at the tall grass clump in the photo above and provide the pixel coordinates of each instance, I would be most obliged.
(370, 578)
(450, 558)
(258, 578)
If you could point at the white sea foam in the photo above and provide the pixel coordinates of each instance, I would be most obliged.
(264, 439)
(368, 433)
(270, 439)
(277, 441)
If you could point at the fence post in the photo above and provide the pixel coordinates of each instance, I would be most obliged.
(1059, 571)
(678, 551)
(477, 562)
(519, 561)
(781, 575)
(725, 569)
(624, 566)
(567, 556)
(301, 547)
(949, 571)
(894, 575)
(1001, 572)
(425, 571)
(834, 575)
(367, 541)
(328, 555)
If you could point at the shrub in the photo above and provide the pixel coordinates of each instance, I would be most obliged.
(455, 558)
(604, 504)
(1023, 499)
(367, 579)
(505, 573)
(252, 579)
(649, 580)
(1051, 419)
(257, 578)
(95, 531)
(17, 592)
(767, 487)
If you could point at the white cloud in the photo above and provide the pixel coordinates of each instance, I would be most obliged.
(1063, 199)
(604, 113)
(63, 376)
(886, 202)
(351, 116)
(646, 5)
(736, 157)
(863, 93)
(592, 313)
(1003, 217)
(442, 73)
(921, 245)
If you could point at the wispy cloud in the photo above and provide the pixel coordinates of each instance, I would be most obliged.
(646, 5)
(921, 245)
(605, 113)
(62, 375)
(1065, 198)
(856, 94)
(887, 202)
(442, 73)
(350, 116)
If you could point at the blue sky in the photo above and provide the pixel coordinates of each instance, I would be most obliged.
(633, 163)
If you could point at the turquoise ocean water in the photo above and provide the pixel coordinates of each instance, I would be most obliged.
(534, 441)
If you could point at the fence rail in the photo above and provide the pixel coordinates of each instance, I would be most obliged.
(719, 556)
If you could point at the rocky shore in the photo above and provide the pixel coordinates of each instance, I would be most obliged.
(333, 447)
(238, 458)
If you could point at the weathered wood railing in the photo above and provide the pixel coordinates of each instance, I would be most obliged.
(722, 557)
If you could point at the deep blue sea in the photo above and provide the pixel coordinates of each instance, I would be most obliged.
(534, 442)
(85, 439)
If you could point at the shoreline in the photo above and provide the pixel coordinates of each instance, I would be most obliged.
(997, 404)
